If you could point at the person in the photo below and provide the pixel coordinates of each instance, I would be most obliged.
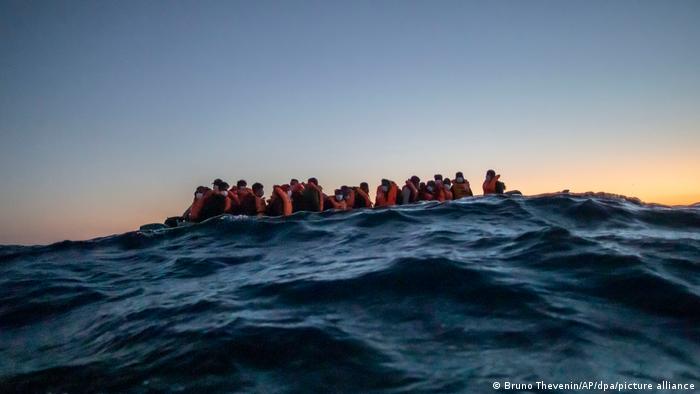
(387, 193)
(428, 192)
(460, 187)
(197, 203)
(335, 202)
(409, 192)
(253, 203)
(242, 187)
(236, 195)
(500, 187)
(491, 183)
(214, 202)
(234, 206)
(365, 187)
(297, 195)
(312, 196)
(447, 189)
(348, 196)
(280, 203)
(362, 199)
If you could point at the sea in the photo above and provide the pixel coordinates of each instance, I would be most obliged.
(485, 294)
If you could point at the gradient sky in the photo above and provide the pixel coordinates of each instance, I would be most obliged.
(111, 112)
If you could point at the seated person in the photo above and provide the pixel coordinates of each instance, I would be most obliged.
(387, 193)
(196, 202)
(280, 203)
(460, 187)
(253, 204)
(409, 192)
(447, 188)
(348, 196)
(297, 195)
(492, 185)
(362, 199)
(312, 196)
(214, 202)
(429, 192)
(334, 202)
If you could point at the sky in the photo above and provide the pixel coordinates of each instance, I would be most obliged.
(112, 112)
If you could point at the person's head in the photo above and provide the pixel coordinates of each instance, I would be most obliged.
(490, 174)
(385, 185)
(338, 195)
(287, 189)
(447, 183)
(459, 178)
(219, 185)
(437, 177)
(313, 181)
(293, 182)
(345, 190)
(415, 180)
(258, 189)
(364, 187)
(241, 184)
(199, 193)
(430, 186)
(421, 186)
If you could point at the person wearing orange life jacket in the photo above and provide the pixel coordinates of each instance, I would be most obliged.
(362, 199)
(409, 192)
(336, 201)
(236, 195)
(242, 187)
(429, 192)
(234, 206)
(214, 202)
(297, 195)
(387, 193)
(439, 191)
(460, 187)
(348, 197)
(492, 185)
(253, 203)
(447, 189)
(197, 203)
(312, 196)
(280, 203)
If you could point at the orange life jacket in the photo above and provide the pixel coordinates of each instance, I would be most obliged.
(386, 199)
(460, 190)
(331, 203)
(448, 195)
(490, 186)
(213, 204)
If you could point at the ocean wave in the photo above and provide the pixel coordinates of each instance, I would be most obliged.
(425, 298)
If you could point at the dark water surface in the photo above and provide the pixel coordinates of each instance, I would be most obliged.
(428, 298)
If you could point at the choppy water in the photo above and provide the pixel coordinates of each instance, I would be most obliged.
(427, 298)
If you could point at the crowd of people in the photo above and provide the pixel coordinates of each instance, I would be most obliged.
(309, 196)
